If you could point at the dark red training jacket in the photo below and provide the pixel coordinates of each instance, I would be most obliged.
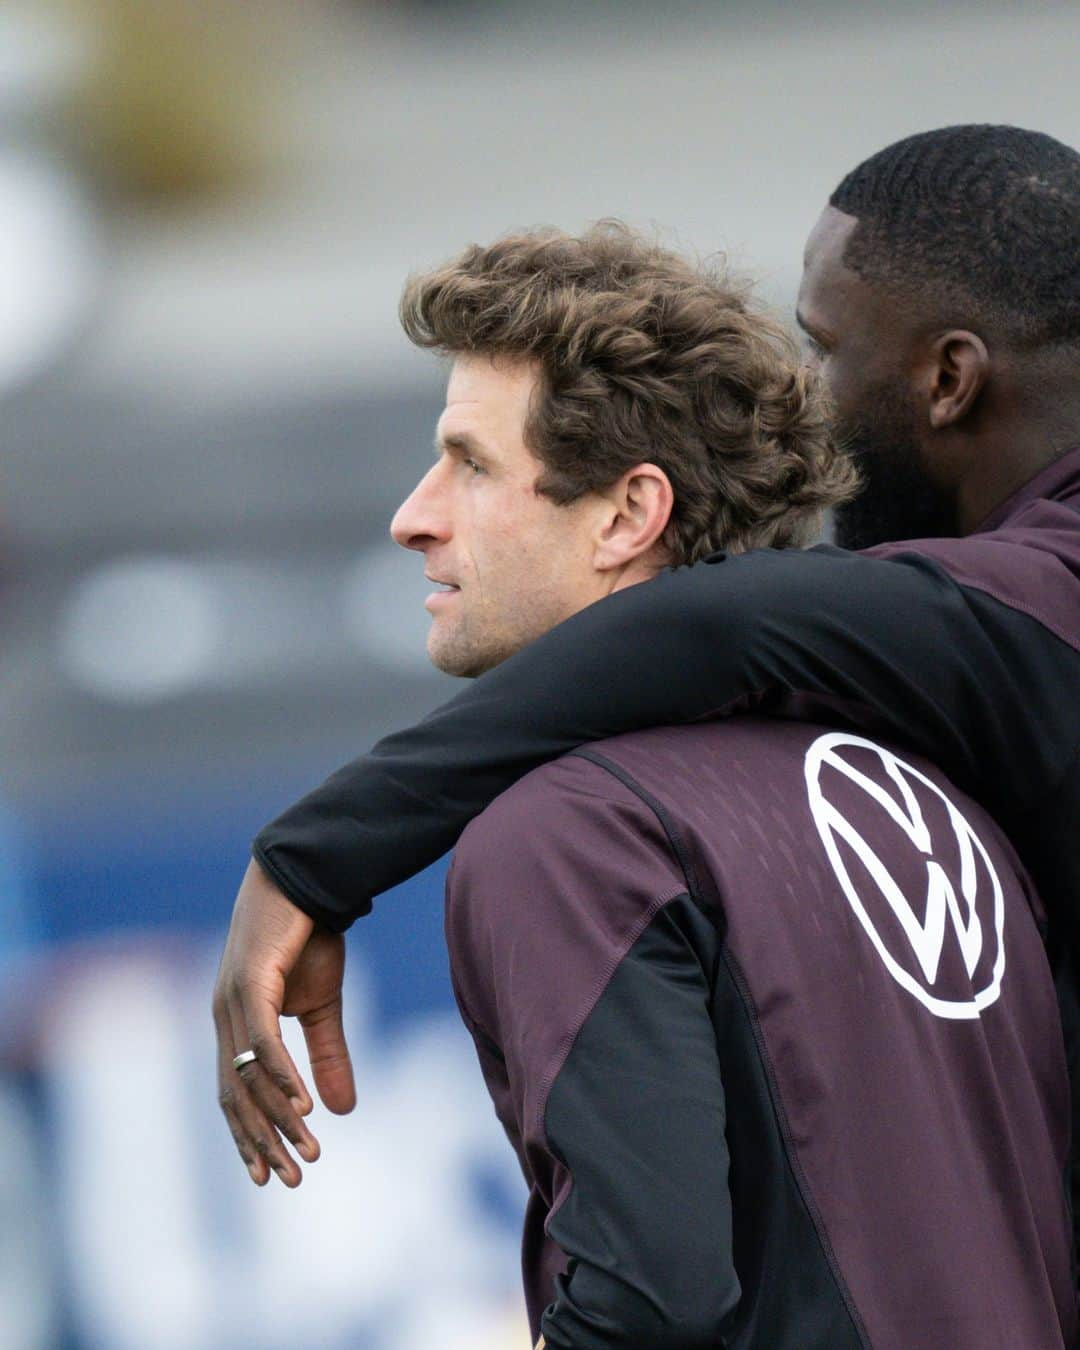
(766, 1013)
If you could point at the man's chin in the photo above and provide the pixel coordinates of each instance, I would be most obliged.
(458, 649)
(860, 524)
(897, 501)
(463, 663)
(855, 529)
(459, 667)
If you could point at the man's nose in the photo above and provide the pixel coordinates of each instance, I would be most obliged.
(421, 519)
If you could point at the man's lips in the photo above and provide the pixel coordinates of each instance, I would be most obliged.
(440, 596)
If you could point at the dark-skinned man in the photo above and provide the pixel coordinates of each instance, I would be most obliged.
(942, 291)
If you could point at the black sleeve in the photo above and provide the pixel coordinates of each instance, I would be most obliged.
(891, 645)
(637, 1117)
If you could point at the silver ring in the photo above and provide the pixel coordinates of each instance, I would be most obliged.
(244, 1057)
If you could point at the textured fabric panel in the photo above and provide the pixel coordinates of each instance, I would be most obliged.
(889, 1054)
(547, 892)
(889, 948)
(665, 1248)
(637, 1116)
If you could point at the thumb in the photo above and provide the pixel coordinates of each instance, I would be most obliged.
(328, 1053)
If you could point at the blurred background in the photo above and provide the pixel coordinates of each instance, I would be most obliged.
(208, 415)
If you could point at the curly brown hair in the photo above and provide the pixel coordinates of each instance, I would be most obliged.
(645, 357)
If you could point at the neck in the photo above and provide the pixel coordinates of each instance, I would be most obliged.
(981, 494)
(1003, 458)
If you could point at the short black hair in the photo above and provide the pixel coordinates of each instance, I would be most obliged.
(986, 219)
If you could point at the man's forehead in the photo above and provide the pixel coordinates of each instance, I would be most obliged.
(460, 409)
(467, 376)
(829, 237)
(465, 410)
(465, 403)
(826, 281)
(477, 377)
(482, 393)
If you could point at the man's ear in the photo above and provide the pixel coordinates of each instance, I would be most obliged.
(959, 371)
(637, 510)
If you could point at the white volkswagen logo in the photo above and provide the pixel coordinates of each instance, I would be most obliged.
(976, 916)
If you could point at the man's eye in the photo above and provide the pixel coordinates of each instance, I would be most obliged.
(813, 348)
(472, 464)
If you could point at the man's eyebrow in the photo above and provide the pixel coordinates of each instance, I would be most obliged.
(462, 441)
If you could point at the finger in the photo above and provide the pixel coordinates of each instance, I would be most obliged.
(275, 1107)
(230, 1088)
(260, 1026)
(328, 1052)
(267, 1091)
(257, 1167)
(273, 1116)
(265, 1141)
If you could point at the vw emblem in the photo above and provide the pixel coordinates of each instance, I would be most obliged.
(961, 891)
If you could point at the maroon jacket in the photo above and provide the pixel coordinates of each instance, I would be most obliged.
(766, 1013)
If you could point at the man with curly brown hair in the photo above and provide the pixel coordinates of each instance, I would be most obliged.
(745, 1114)
(640, 383)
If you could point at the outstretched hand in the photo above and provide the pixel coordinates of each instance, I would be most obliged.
(276, 963)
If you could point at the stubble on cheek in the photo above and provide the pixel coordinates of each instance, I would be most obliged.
(448, 643)
(466, 641)
(487, 630)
